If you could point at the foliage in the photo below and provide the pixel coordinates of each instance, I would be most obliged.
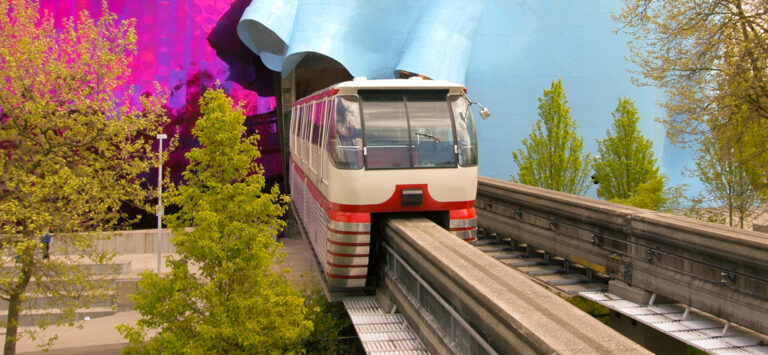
(655, 195)
(329, 320)
(726, 181)
(626, 156)
(627, 171)
(711, 57)
(594, 309)
(551, 157)
(224, 294)
(71, 153)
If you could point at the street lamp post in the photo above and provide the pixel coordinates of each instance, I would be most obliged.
(160, 210)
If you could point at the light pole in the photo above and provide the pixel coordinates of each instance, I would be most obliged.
(160, 210)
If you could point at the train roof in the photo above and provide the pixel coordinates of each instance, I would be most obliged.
(351, 87)
(359, 83)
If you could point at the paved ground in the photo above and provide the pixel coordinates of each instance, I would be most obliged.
(99, 336)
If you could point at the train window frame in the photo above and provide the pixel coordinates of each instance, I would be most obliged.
(404, 92)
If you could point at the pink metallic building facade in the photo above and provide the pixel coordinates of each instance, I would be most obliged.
(187, 46)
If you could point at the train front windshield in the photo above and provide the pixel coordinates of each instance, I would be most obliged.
(403, 129)
(414, 129)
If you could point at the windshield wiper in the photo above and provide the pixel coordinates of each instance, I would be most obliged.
(434, 138)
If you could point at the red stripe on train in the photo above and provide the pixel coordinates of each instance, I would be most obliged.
(463, 229)
(467, 213)
(343, 244)
(346, 266)
(346, 255)
(347, 232)
(347, 276)
(346, 217)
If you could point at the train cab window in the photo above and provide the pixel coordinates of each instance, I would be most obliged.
(466, 132)
(407, 129)
(345, 137)
(431, 134)
(386, 132)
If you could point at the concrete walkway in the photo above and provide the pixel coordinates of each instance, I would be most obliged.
(99, 336)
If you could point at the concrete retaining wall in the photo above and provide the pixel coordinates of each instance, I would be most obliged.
(143, 241)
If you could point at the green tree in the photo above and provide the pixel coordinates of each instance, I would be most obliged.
(224, 293)
(329, 321)
(726, 181)
(551, 157)
(627, 171)
(711, 57)
(72, 153)
(626, 156)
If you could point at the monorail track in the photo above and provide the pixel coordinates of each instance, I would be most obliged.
(557, 274)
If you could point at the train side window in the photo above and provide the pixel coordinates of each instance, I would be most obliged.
(317, 127)
(466, 132)
(345, 137)
(297, 119)
(294, 118)
(327, 124)
(301, 129)
(305, 137)
(290, 132)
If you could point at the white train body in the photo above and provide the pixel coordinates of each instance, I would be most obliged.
(363, 148)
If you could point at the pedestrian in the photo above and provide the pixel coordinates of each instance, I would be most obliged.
(46, 240)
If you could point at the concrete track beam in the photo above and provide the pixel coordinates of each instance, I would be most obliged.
(511, 312)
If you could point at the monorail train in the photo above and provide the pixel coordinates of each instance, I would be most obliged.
(363, 148)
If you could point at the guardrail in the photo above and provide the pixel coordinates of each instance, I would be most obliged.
(460, 300)
(717, 269)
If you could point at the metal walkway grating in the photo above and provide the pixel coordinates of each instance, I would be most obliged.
(713, 335)
(380, 332)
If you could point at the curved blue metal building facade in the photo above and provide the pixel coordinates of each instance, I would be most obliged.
(506, 52)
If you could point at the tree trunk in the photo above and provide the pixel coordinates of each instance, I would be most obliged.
(12, 324)
(14, 306)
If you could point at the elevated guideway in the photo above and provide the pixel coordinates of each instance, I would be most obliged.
(460, 300)
(650, 257)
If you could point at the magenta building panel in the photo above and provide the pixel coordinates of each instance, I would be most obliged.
(187, 46)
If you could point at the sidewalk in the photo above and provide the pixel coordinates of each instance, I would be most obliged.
(99, 336)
